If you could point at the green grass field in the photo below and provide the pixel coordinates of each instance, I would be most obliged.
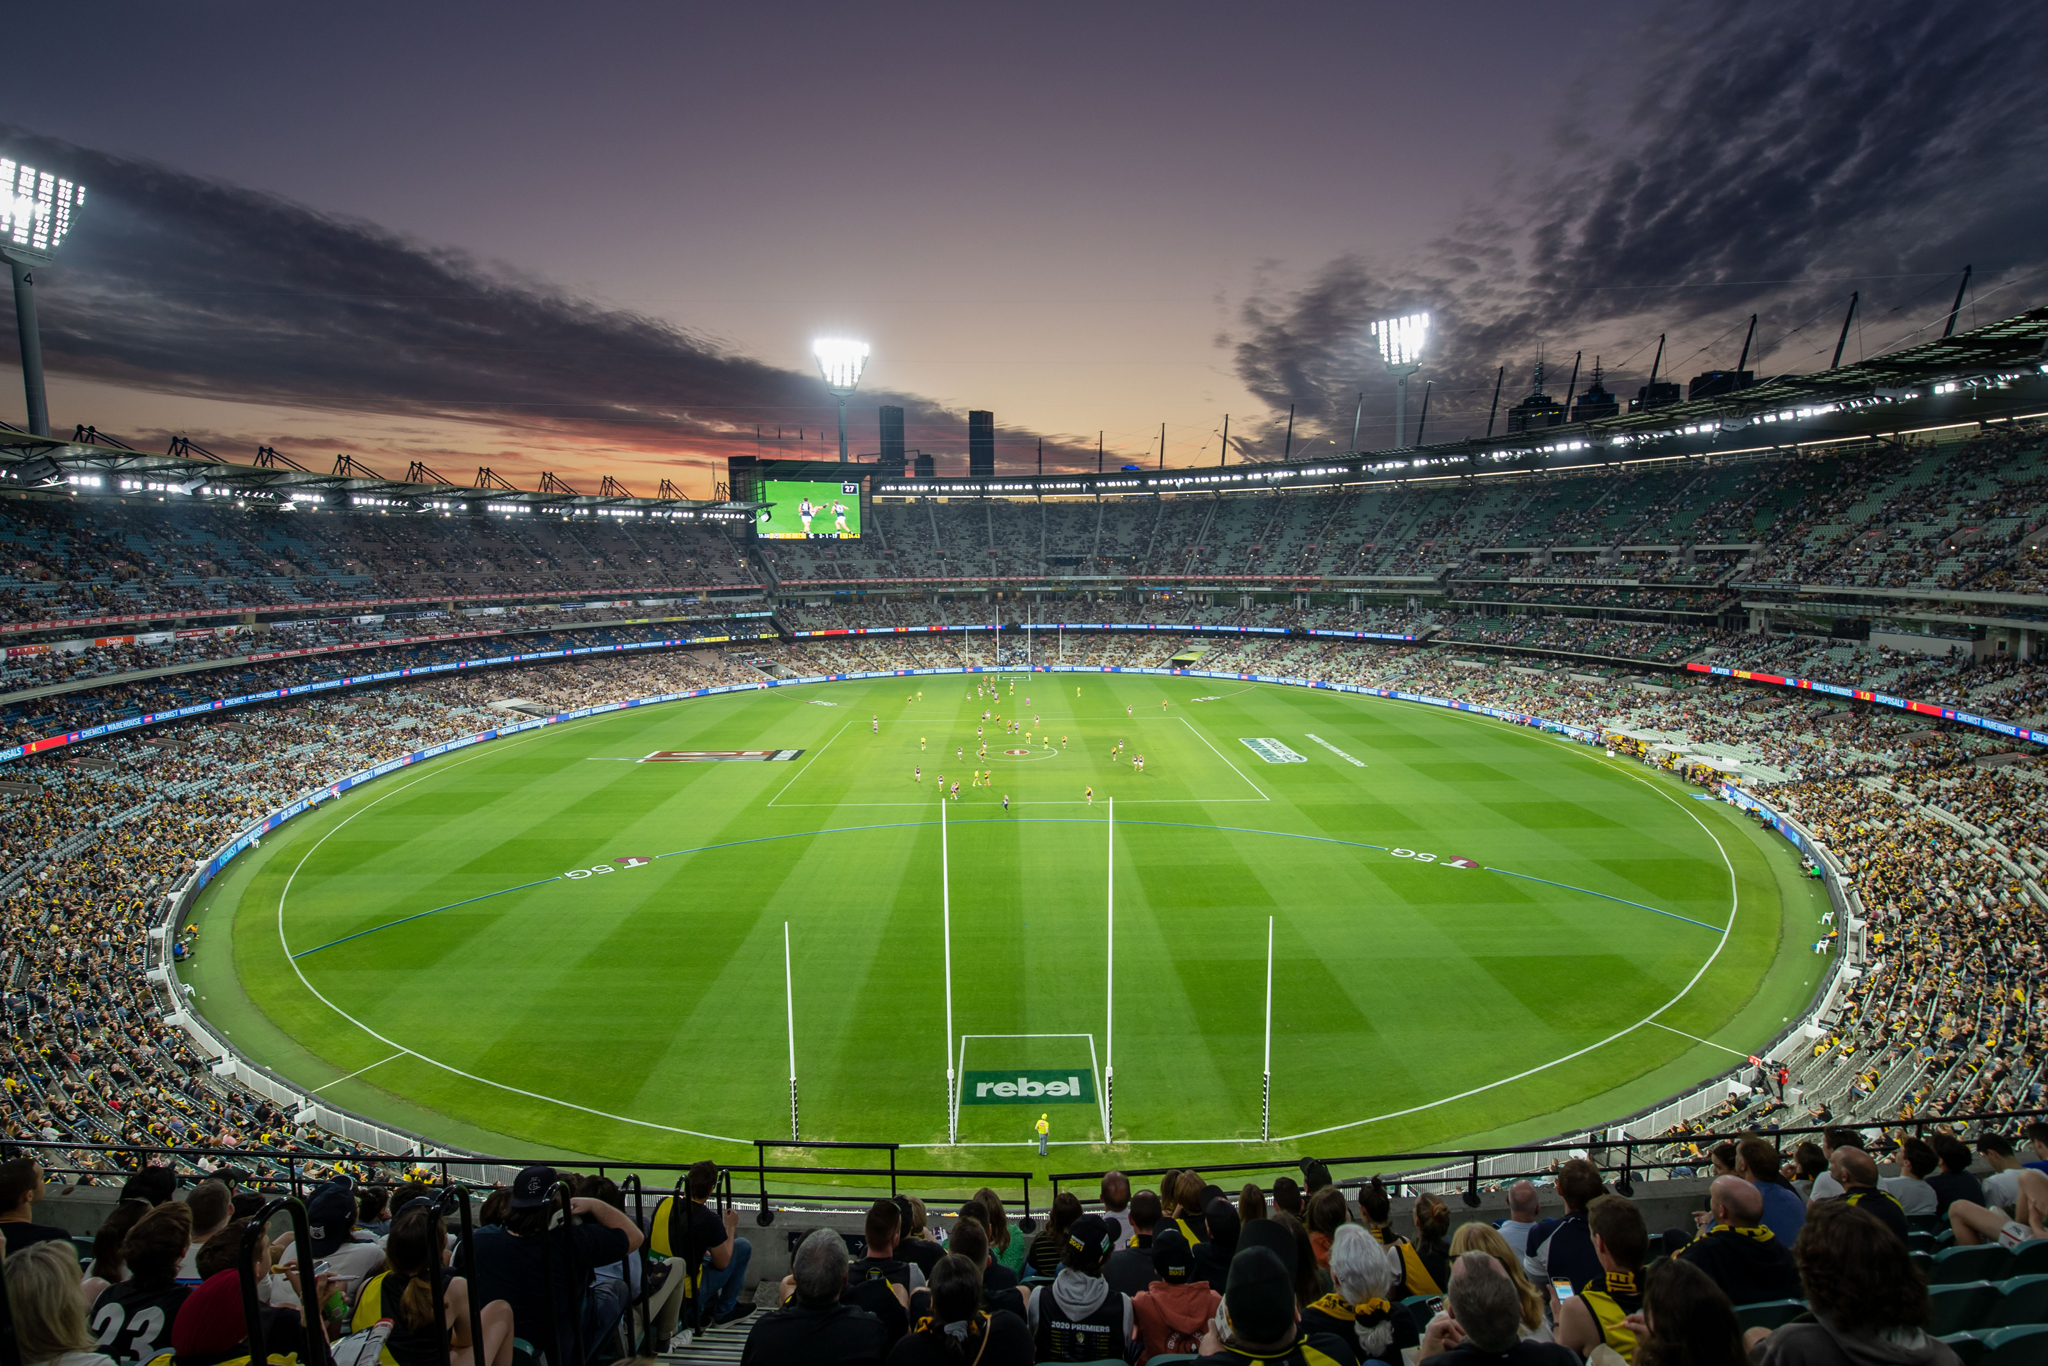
(475, 948)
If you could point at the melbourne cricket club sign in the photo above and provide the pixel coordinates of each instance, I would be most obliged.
(1026, 1088)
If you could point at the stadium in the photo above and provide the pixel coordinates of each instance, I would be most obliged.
(1600, 792)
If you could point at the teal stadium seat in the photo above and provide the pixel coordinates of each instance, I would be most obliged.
(2027, 1346)
(1985, 1262)
(1961, 1306)
(2024, 1300)
(2030, 1259)
(1769, 1313)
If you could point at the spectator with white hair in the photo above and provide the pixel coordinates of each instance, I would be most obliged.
(814, 1328)
(1358, 1310)
(1481, 1322)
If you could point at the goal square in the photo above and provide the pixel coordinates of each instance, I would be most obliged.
(1005, 1081)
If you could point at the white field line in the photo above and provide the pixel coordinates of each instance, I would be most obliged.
(1226, 759)
(807, 766)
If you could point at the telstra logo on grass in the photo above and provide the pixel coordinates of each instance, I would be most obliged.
(1026, 1088)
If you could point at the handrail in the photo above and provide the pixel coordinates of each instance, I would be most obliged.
(1594, 1148)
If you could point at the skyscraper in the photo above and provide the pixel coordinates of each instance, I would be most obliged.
(981, 444)
(891, 459)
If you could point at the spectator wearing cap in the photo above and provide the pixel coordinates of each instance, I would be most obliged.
(351, 1253)
(1756, 1162)
(1174, 1310)
(1481, 1322)
(1742, 1254)
(1130, 1268)
(815, 1327)
(1079, 1317)
(21, 1188)
(1116, 1205)
(1212, 1256)
(1955, 1181)
(1357, 1309)
(520, 1260)
(1262, 1317)
(1855, 1174)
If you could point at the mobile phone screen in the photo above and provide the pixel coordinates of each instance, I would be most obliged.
(1563, 1289)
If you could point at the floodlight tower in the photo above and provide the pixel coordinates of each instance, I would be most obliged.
(36, 208)
(840, 361)
(1400, 343)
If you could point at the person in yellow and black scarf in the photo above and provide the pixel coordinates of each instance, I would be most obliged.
(1597, 1313)
(1358, 1310)
(1735, 1248)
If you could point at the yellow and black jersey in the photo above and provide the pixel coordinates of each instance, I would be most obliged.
(1611, 1301)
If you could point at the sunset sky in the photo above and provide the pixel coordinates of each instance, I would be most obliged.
(600, 238)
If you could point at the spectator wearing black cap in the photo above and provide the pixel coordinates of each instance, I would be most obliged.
(1481, 1322)
(21, 1187)
(1174, 1310)
(1079, 1317)
(1212, 1256)
(351, 1253)
(1263, 1318)
(814, 1327)
(519, 1260)
(1130, 1268)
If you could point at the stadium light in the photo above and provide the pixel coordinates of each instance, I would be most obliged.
(36, 209)
(840, 361)
(1400, 342)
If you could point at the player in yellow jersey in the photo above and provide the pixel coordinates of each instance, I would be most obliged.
(1091, 796)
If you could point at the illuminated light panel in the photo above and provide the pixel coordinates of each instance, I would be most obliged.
(1400, 339)
(840, 361)
(35, 206)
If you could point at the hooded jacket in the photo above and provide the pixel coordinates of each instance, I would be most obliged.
(1172, 1318)
(1751, 1264)
(1809, 1341)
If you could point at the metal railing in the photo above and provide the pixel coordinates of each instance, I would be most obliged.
(1614, 1153)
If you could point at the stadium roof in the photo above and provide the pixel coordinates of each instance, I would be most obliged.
(1993, 373)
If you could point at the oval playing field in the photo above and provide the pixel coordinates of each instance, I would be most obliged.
(574, 940)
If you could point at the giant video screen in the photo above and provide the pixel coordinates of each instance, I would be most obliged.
(805, 510)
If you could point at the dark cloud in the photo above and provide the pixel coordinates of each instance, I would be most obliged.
(187, 286)
(1771, 159)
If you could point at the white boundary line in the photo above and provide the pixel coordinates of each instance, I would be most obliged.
(358, 1072)
(1734, 905)
(946, 933)
(413, 1053)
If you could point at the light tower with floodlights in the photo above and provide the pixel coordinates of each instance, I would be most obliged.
(840, 361)
(1400, 344)
(36, 208)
